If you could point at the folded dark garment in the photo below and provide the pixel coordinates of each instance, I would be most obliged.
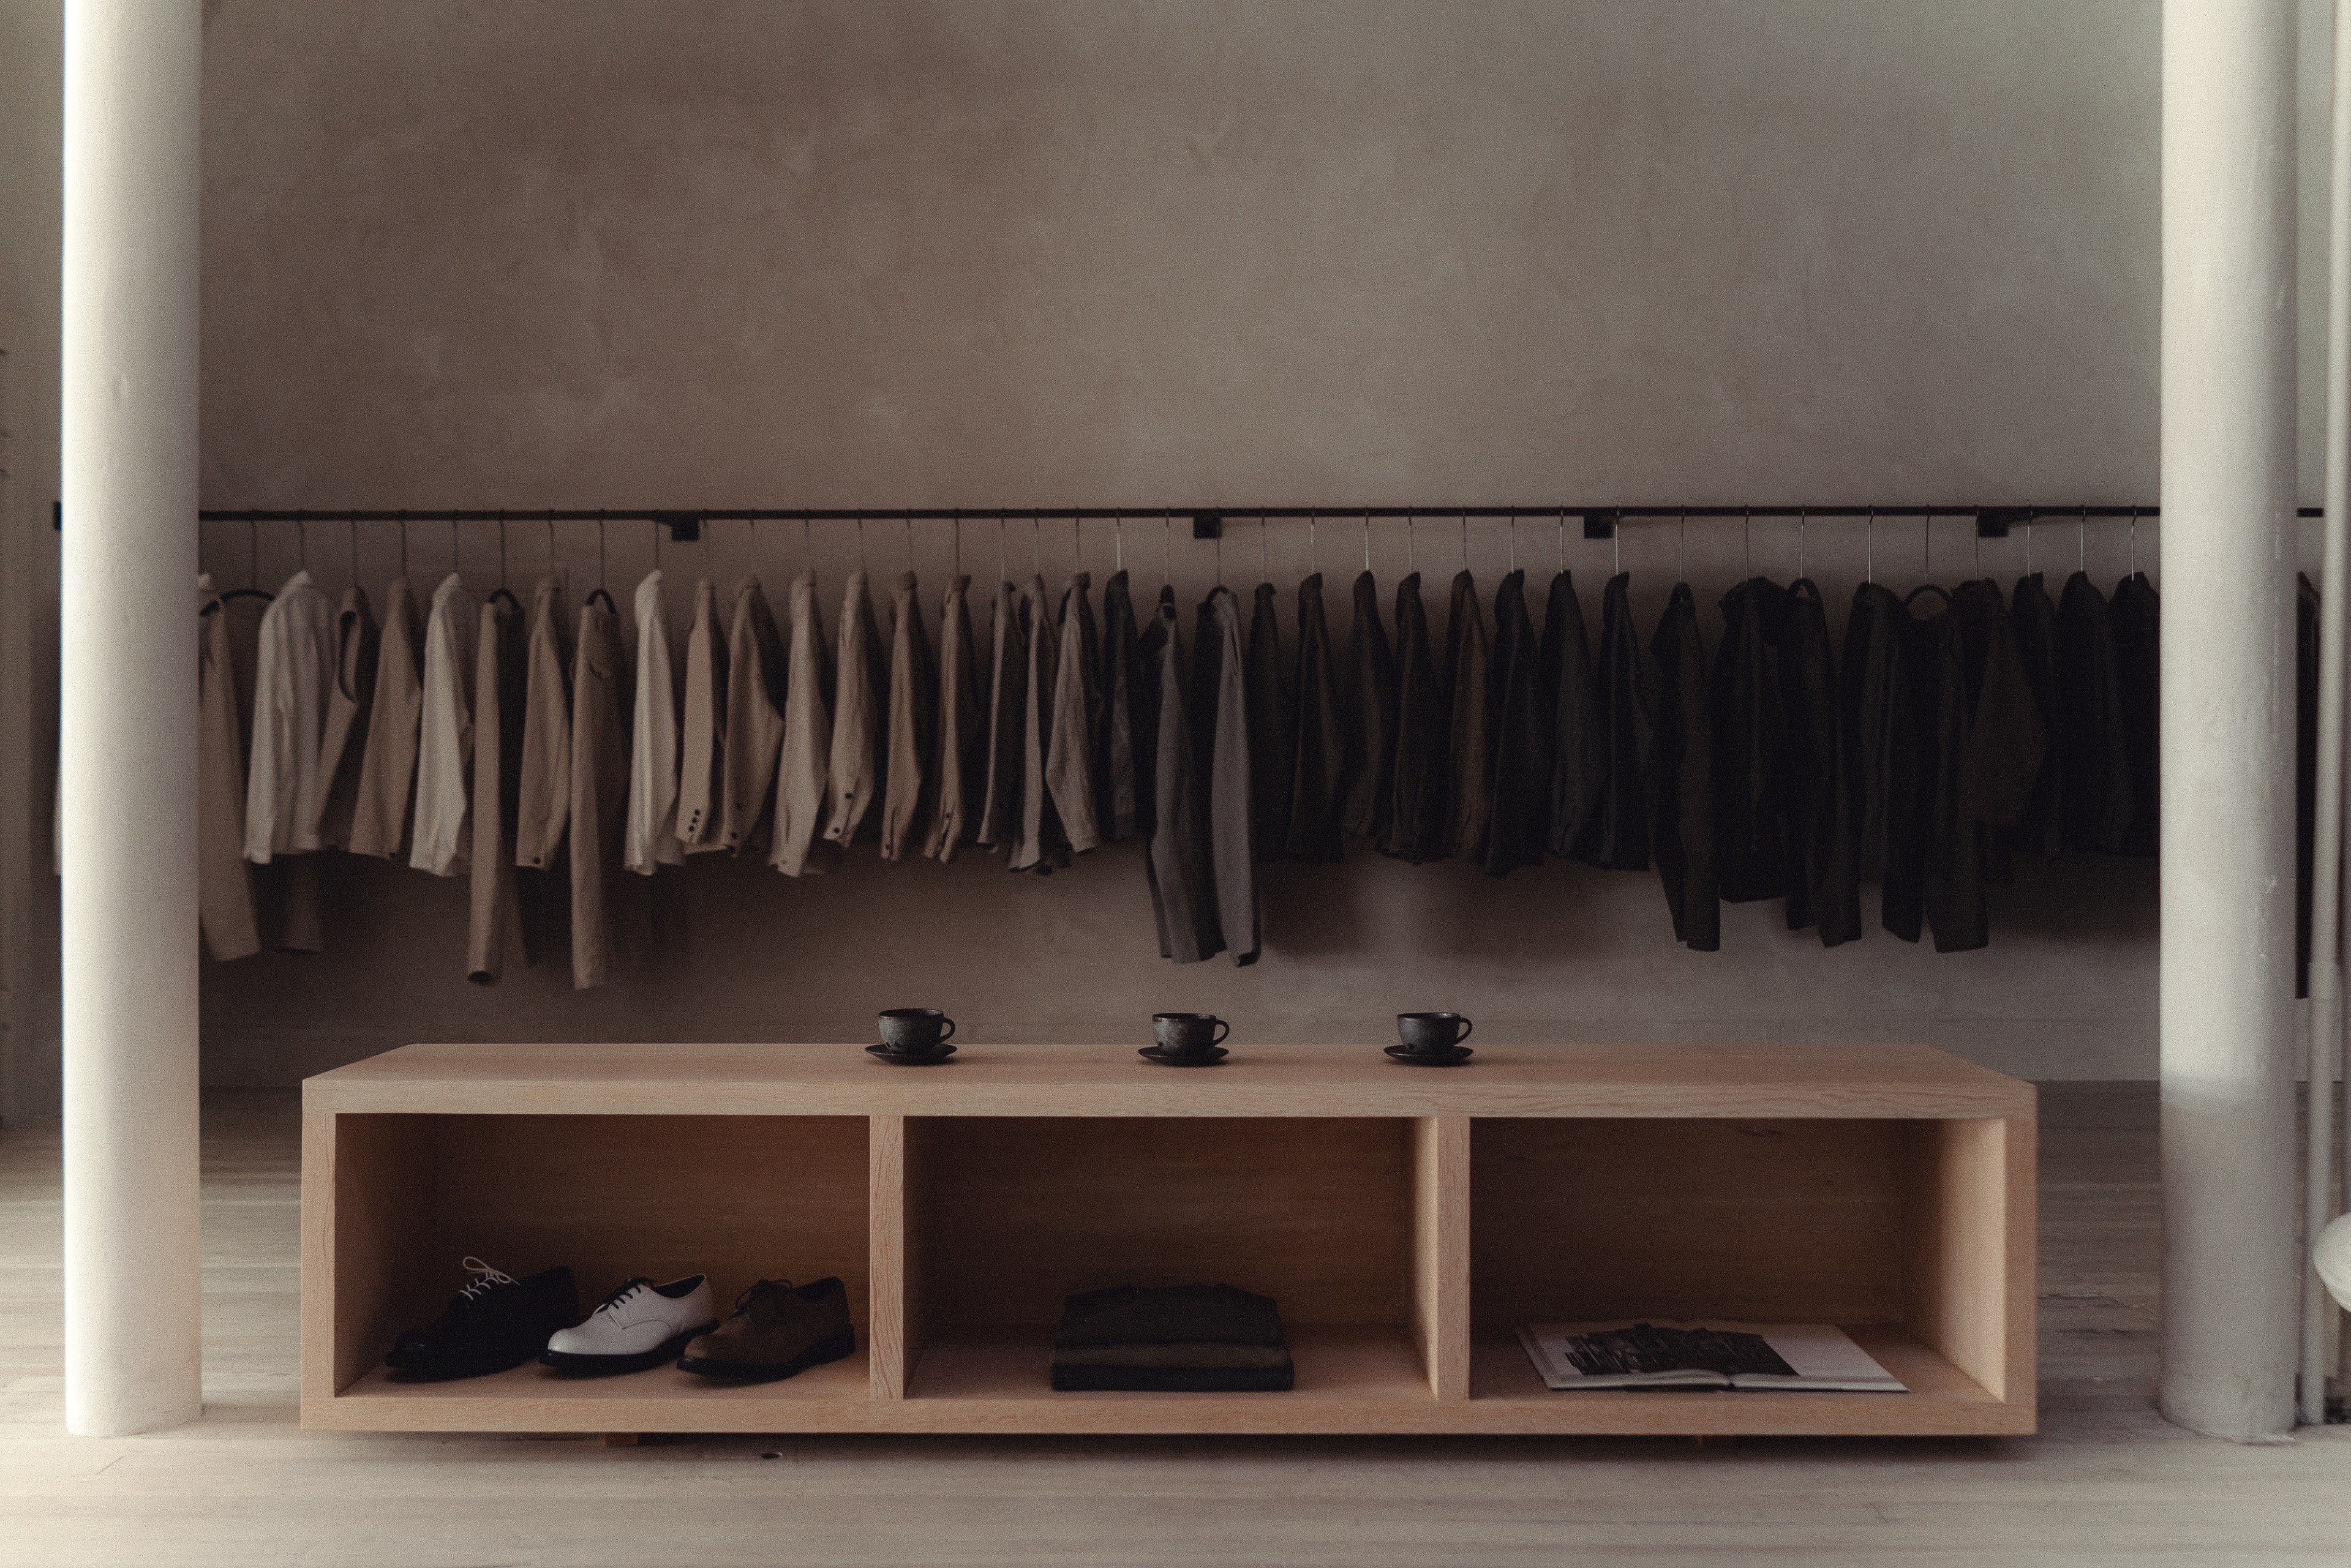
(1254, 1357)
(1177, 1314)
(1175, 1379)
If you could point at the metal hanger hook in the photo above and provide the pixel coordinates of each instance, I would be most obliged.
(1166, 547)
(403, 542)
(1803, 516)
(1367, 541)
(501, 547)
(354, 526)
(1465, 542)
(301, 542)
(1869, 548)
(2082, 541)
(1747, 538)
(2134, 541)
(1310, 544)
(1264, 572)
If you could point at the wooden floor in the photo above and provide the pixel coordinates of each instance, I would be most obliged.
(2106, 1482)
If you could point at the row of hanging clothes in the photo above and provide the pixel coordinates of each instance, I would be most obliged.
(1950, 732)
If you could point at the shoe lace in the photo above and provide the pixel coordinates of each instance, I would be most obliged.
(485, 1279)
(623, 1290)
(758, 1287)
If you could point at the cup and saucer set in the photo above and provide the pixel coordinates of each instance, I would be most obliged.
(914, 1037)
(1431, 1039)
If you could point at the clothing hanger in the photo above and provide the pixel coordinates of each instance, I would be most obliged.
(301, 542)
(1925, 546)
(1367, 541)
(807, 551)
(1465, 542)
(1167, 551)
(252, 569)
(956, 524)
(2134, 541)
(1411, 562)
(1077, 546)
(1264, 574)
(1118, 543)
(354, 527)
(600, 561)
(1562, 541)
(909, 520)
(2028, 540)
(1310, 544)
(1003, 569)
(2082, 543)
(1747, 539)
(1511, 523)
(502, 591)
(1870, 549)
(456, 553)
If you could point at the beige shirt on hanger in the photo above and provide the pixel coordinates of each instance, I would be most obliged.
(442, 840)
(652, 833)
(493, 928)
(804, 773)
(224, 881)
(293, 673)
(543, 802)
(387, 769)
(962, 749)
(600, 787)
(860, 706)
(1038, 842)
(1077, 703)
(755, 717)
(702, 729)
(342, 748)
(911, 791)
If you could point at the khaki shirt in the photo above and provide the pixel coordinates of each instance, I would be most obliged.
(284, 790)
(444, 835)
(1076, 710)
(342, 748)
(652, 831)
(910, 791)
(804, 773)
(999, 819)
(962, 749)
(702, 729)
(860, 706)
(543, 804)
(1039, 843)
(388, 767)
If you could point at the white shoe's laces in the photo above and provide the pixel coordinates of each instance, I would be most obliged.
(483, 1277)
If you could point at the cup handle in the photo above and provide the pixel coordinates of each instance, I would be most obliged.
(1467, 1025)
(1223, 1029)
(950, 1033)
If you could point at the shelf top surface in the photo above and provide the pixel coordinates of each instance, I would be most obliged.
(982, 1080)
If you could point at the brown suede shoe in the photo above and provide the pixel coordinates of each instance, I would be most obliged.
(776, 1330)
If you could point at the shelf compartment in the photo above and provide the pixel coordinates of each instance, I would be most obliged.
(612, 1196)
(1009, 1216)
(1920, 1232)
(831, 1397)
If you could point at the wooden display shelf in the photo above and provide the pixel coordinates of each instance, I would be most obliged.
(1404, 1218)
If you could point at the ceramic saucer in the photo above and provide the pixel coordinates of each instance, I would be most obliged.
(910, 1058)
(1207, 1058)
(1452, 1058)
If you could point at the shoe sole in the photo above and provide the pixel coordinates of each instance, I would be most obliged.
(608, 1365)
(843, 1344)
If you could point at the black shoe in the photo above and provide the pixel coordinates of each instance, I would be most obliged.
(495, 1322)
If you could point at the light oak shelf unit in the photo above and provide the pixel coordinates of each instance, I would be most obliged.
(1404, 1218)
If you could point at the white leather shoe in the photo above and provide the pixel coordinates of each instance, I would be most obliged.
(641, 1324)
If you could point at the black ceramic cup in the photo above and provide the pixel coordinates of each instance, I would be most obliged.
(1432, 1034)
(1188, 1034)
(915, 1032)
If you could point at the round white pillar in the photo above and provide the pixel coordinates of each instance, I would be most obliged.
(127, 796)
(2230, 1280)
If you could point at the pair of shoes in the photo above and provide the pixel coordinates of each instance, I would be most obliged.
(775, 1332)
(640, 1324)
(493, 1323)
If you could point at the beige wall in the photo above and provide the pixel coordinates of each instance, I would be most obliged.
(32, 109)
(579, 254)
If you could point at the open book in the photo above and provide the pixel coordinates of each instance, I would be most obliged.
(1710, 1354)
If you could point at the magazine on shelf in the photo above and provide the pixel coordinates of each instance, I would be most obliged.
(1645, 1353)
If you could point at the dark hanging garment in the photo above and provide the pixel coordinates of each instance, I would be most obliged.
(1273, 730)
(1219, 691)
(2137, 618)
(1176, 863)
(999, 819)
(1824, 889)
(1682, 815)
(2033, 619)
(1919, 651)
(2305, 771)
(1989, 747)
(1039, 843)
(1320, 746)
(1117, 806)
(1874, 694)
(1518, 820)
(1417, 825)
(1371, 718)
(1469, 660)
(1627, 684)
(2094, 794)
(1750, 854)
(1579, 735)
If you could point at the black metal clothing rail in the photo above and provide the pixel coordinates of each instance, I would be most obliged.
(1207, 522)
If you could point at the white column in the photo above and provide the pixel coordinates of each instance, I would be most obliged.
(128, 662)
(2230, 1280)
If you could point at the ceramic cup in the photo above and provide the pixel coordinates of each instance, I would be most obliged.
(915, 1032)
(1432, 1034)
(1188, 1034)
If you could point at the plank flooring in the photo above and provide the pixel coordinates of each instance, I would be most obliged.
(2105, 1483)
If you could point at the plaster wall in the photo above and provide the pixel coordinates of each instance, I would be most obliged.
(985, 255)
